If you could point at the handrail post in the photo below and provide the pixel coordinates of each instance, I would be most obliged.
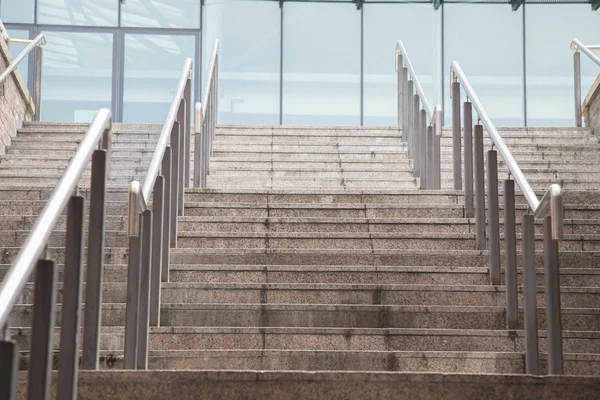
(187, 97)
(456, 141)
(145, 277)
(577, 77)
(166, 171)
(198, 146)
(95, 261)
(437, 156)
(37, 95)
(430, 137)
(468, 143)
(9, 367)
(404, 120)
(175, 154)
(510, 255)
(399, 67)
(410, 115)
(422, 150)
(553, 310)
(493, 217)
(181, 118)
(414, 137)
(157, 249)
(479, 189)
(68, 358)
(532, 362)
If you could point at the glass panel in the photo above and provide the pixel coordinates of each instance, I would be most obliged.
(17, 11)
(550, 87)
(78, 12)
(492, 57)
(153, 64)
(321, 64)
(16, 49)
(384, 25)
(249, 36)
(76, 76)
(161, 13)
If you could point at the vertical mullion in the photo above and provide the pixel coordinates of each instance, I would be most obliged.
(524, 70)
(120, 73)
(281, 3)
(115, 77)
(362, 64)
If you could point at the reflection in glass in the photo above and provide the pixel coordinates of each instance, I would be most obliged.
(161, 13)
(78, 12)
(321, 64)
(77, 75)
(16, 11)
(487, 41)
(16, 49)
(384, 25)
(549, 31)
(153, 64)
(249, 36)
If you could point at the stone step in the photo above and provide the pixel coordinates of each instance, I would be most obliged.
(280, 293)
(310, 360)
(329, 316)
(26, 222)
(332, 339)
(15, 238)
(32, 208)
(284, 385)
(395, 182)
(44, 191)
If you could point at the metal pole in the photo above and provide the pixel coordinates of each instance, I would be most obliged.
(468, 127)
(553, 310)
(198, 147)
(493, 217)
(206, 149)
(166, 251)
(409, 115)
(9, 369)
(532, 362)
(68, 358)
(42, 331)
(430, 161)
(404, 103)
(133, 301)
(510, 255)
(187, 96)
(157, 249)
(181, 117)
(456, 142)
(95, 262)
(37, 95)
(423, 149)
(577, 75)
(437, 156)
(414, 137)
(175, 147)
(399, 65)
(479, 189)
(145, 271)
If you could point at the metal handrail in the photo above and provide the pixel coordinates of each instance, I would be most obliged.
(205, 121)
(40, 40)
(423, 140)
(165, 133)
(552, 198)
(577, 46)
(401, 50)
(19, 272)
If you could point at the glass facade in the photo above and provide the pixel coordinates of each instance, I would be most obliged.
(303, 62)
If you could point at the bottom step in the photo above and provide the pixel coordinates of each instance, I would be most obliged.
(184, 385)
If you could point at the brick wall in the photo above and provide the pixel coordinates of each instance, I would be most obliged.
(591, 107)
(16, 105)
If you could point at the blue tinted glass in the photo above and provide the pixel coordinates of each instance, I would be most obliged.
(153, 64)
(78, 12)
(76, 76)
(321, 64)
(15, 49)
(161, 13)
(249, 36)
(16, 11)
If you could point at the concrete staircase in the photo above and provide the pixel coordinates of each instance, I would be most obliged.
(313, 250)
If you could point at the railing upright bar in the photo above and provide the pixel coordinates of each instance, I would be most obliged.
(133, 292)
(198, 146)
(456, 137)
(37, 94)
(414, 136)
(166, 245)
(175, 148)
(468, 144)
(479, 189)
(9, 368)
(422, 150)
(181, 118)
(68, 358)
(404, 104)
(410, 115)
(187, 100)
(158, 208)
(95, 262)
(532, 362)
(510, 255)
(400, 86)
(144, 304)
(577, 85)
(430, 137)
(493, 217)
(552, 296)
(42, 331)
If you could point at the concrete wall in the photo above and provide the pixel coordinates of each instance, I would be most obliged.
(16, 105)
(591, 106)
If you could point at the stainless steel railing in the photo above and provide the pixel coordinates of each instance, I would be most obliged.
(153, 231)
(551, 202)
(36, 43)
(422, 138)
(578, 47)
(31, 256)
(205, 122)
